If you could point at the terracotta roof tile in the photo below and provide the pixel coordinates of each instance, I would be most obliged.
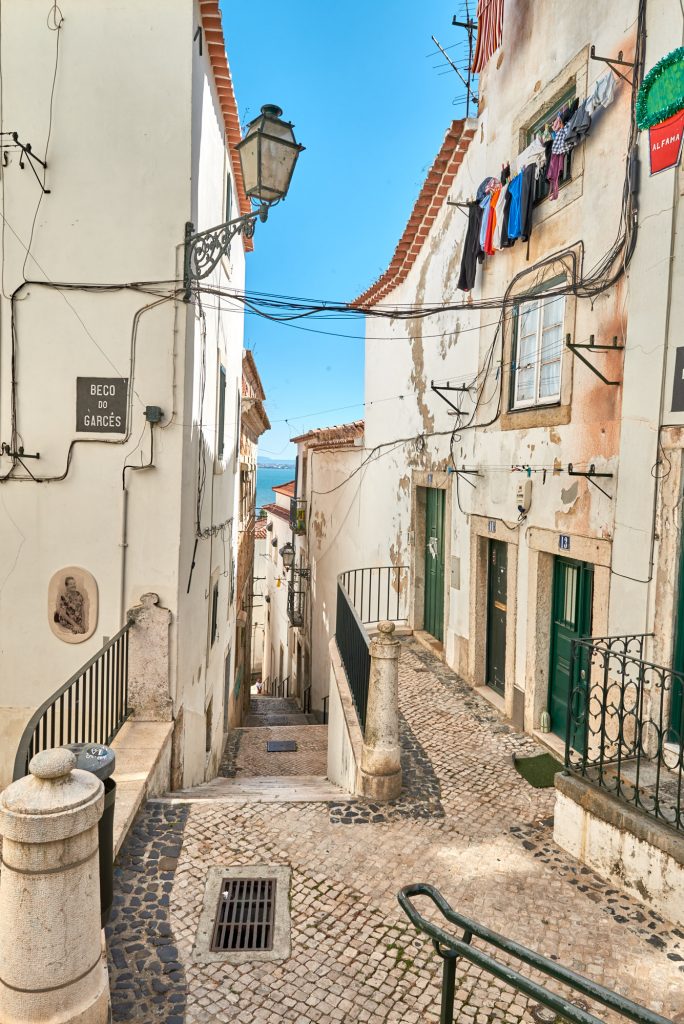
(213, 28)
(287, 489)
(331, 437)
(276, 510)
(427, 206)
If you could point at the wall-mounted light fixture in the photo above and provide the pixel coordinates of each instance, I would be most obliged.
(268, 154)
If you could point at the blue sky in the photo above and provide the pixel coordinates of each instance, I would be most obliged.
(372, 110)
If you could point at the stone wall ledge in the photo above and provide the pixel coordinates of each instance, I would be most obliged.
(610, 809)
(345, 749)
(143, 769)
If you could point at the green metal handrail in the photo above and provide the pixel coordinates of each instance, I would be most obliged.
(450, 948)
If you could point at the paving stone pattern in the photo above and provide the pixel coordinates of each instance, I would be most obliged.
(247, 756)
(147, 979)
(355, 957)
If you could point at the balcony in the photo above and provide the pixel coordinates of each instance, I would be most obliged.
(298, 515)
(626, 726)
(296, 597)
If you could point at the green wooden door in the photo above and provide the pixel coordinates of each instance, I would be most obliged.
(434, 563)
(573, 584)
(497, 587)
(676, 734)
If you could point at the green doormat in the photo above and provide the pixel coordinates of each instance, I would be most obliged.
(538, 771)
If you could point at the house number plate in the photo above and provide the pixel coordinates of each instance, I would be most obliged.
(564, 542)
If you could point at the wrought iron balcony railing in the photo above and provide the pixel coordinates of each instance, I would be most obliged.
(625, 730)
(298, 515)
(296, 598)
(365, 597)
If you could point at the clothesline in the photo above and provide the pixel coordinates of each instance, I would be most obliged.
(501, 211)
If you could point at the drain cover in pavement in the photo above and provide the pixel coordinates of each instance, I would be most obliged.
(280, 746)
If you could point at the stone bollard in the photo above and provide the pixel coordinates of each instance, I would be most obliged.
(381, 760)
(52, 966)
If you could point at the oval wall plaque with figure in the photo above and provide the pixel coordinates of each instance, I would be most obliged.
(72, 604)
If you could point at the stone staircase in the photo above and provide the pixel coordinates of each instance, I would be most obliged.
(265, 712)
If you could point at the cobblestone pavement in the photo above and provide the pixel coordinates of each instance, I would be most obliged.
(355, 957)
(275, 718)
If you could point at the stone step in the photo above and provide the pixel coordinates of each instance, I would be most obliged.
(260, 721)
(261, 789)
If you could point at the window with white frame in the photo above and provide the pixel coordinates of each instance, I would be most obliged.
(538, 352)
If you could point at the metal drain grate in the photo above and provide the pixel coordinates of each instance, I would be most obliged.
(244, 917)
(280, 746)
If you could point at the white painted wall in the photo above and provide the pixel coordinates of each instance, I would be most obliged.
(136, 149)
(277, 631)
(331, 484)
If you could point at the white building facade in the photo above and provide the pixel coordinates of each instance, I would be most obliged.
(129, 394)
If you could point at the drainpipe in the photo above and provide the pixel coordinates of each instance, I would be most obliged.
(152, 415)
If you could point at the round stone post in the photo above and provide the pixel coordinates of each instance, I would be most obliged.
(52, 965)
(381, 757)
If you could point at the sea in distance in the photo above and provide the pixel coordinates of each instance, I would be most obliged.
(269, 477)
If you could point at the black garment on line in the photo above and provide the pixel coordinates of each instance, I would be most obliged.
(528, 190)
(506, 242)
(471, 248)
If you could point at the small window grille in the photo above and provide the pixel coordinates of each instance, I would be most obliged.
(245, 915)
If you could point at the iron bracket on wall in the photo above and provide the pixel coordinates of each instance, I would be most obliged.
(6, 449)
(465, 473)
(204, 249)
(593, 347)
(439, 388)
(25, 150)
(591, 476)
(612, 61)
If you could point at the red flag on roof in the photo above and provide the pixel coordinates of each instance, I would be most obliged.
(489, 31)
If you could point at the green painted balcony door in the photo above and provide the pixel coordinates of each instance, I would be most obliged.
(434, 562)
(676, 733)
(573, 584)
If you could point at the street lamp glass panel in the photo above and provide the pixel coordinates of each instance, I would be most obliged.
(268, 154)
(288, 555)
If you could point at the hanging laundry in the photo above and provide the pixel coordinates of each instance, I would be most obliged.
(505, 175)
(488, 247)
(514, 213)
(578, 126)
(505, 241)
(527, 196)
(602, 94)
(500, 218)
(557, 163)
(534, 154)
(471, 248)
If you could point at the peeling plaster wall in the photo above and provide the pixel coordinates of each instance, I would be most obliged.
(535, 67)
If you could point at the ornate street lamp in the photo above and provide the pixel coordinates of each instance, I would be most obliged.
(268, 154)
(288, 556)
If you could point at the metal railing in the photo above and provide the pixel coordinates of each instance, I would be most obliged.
(625, 729)
(379, 592)
(91, 707)
(450, 948)
(365, 597)
(298, 515)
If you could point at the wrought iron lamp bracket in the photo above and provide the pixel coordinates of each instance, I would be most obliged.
(205, 249)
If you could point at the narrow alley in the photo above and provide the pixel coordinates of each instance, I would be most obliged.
(466, 822)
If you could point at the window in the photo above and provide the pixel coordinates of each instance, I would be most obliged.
(221, 411)
(546, 120)
(214, 613)
(536, 376)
